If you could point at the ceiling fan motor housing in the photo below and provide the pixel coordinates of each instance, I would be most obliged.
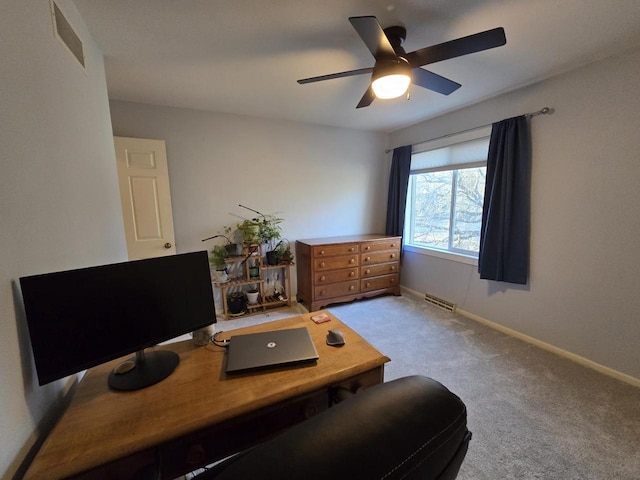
(391, 66)
(396, 36)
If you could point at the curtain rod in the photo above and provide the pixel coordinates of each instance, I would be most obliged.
(542, 111)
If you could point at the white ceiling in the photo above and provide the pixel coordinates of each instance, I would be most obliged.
(244, 56)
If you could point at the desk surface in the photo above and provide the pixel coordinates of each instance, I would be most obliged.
(101, 425)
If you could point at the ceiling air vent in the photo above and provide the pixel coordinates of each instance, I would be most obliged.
(65, 33)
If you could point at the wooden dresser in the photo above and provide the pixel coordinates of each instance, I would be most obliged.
(341, 269)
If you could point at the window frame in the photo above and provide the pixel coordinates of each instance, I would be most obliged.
(451, 253)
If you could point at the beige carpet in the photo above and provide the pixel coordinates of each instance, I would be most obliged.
(533, 414)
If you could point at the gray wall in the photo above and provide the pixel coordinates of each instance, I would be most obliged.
(59, 202)
(583, 291)
(324, 181)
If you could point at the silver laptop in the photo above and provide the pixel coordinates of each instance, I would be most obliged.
(267, 349)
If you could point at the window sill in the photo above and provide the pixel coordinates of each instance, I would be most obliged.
(455, 257)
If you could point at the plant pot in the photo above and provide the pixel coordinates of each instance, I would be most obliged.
(220, 276)
(250, 231)
(236, 304)
(252, 296)
(272, 257)
(254, 272)
(232, 249)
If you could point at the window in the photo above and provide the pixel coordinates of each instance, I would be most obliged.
(446, 193)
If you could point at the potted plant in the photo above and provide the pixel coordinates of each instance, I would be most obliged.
(249, 231)
(231, 246)
(270, 229)
(254, 269)
(236, 302)
(284, 253)
(272, 257)
(228, 235)
(269, 233)
(252, 296)
(217, 261)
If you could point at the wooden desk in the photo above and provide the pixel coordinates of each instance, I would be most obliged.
(198, 414)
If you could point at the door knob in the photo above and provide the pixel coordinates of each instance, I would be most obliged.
(167, 245)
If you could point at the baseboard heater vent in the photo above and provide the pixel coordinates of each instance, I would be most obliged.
(439, 302)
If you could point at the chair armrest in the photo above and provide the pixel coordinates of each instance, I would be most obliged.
(413, 427)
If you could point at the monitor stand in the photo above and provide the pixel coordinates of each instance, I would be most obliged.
(144, 370)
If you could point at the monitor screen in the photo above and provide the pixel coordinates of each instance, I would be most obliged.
(81, 318)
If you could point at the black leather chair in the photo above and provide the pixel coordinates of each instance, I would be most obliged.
(410, 428)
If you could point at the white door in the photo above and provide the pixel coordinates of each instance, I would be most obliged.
(143, 175)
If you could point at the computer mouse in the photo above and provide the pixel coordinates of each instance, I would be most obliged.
(335, 338)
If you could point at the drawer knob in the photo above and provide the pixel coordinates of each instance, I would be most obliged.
(322, 264)
(321, 292)
(393, 245)
(368, 284)
(321, 252)
(351, 249)
(195, 455)
(323, 278)
(392, 280)
(393, 255)
(367, 271)
(352, 274)
(393, 267)
(352, 287)
(368, 247)
(353, 260)
(368, 259)
(311, 409)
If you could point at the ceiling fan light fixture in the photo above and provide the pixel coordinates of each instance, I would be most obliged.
(391, 79)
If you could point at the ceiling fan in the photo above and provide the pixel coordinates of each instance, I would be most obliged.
(395, 69)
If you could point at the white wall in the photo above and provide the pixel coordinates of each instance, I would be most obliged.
(323, 181)
(59, 204)
(583, 291)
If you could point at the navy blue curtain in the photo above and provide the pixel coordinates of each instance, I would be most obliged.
(398, 184)
(504, 238)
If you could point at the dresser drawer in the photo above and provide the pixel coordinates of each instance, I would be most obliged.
(377, 283)
(334, 276)
(330, 250)
(388, 244)
(381, 269)
(336, 290)
(379, 257)
(332, 263)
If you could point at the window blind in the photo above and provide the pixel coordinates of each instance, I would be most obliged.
(465, 150)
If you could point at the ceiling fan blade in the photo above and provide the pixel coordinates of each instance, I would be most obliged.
(456, 48)
(373, 36)
(367, 98)
(348, 73)
(433, 81)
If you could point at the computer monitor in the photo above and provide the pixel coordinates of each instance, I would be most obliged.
(81, 318)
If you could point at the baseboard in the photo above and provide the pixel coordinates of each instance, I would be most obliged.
(544, 345)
